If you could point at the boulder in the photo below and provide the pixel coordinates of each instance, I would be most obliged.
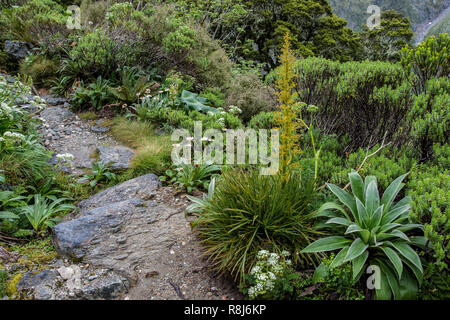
(18, 49)
(73, 238)
(118, 157)
(143, 187)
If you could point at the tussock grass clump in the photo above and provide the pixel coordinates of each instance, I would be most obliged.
(248, 212)
(152, 151)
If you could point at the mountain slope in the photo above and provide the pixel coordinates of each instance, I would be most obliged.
(419, 11)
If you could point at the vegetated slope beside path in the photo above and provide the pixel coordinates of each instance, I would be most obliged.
(130, 241)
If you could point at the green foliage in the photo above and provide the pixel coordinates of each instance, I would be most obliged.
(250, 95)
(429, 117)
(180, 40)
(247, 212)
(3, 282)
(101, 174)
(133, 84)
(263, 120)
(429, 189)
(215, 96)
(93, 55)
(429, 60)
(40, 68)
(36, 21)
(385, 43)
(272, 277)
(193, 101)
(9, 201)
(373, 234)
(191, 177)
(44, 212)
(386, 165)
(95, 95)
(355, 11)
(337, 281)
(363, 100)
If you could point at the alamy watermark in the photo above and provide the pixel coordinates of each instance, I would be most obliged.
(227, 146)
(374, 21)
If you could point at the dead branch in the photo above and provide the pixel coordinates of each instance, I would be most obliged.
(383, 145)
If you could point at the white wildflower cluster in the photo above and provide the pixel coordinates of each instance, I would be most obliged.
(234, 110)
(268, 268)
(9, 112)
(14, 135)
(64, 159)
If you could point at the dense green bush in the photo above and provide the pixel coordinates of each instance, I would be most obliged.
(247, 212)
(40, 68)
(263, 120)
(36, 21)
(429, 188)
(429, 60)
(250, 95)
(362, 99)
(429, 117)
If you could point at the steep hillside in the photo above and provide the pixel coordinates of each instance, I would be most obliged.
(419, 11)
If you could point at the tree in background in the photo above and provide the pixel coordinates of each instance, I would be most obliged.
(386, 42)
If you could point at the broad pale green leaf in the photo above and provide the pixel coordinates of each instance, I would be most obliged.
(391, 192)
(324, 210)
(397, 233)
(347, 199)
(356, 249)
(388, 227)
(406, 251)
(357, 185)
(365, 235)
(367, 181)
(384, 292)
(372, 198)
(408, 287)
(395, 260)
(339, 259)
(363, 218)
(406, 200)
(376, 217)
(410, 226)
(353, 228)
(8, 215)
(340, 221)
(419, 241)
(392, 280)
(395, 213)
(327, 244)
(320, 274)
(358, 264)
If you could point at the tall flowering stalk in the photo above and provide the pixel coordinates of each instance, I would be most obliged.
(286, 118)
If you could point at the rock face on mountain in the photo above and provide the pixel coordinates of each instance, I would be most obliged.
(419, 11)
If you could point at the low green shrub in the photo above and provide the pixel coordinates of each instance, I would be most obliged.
(429, 117)
(191, 177)
(248, 93)
(429, 60)
(40, 68)
(263, 120)
(95, 95)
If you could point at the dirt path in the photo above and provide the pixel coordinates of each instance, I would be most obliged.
(131, 241)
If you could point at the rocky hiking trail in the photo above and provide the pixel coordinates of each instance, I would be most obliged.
(130, 241)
